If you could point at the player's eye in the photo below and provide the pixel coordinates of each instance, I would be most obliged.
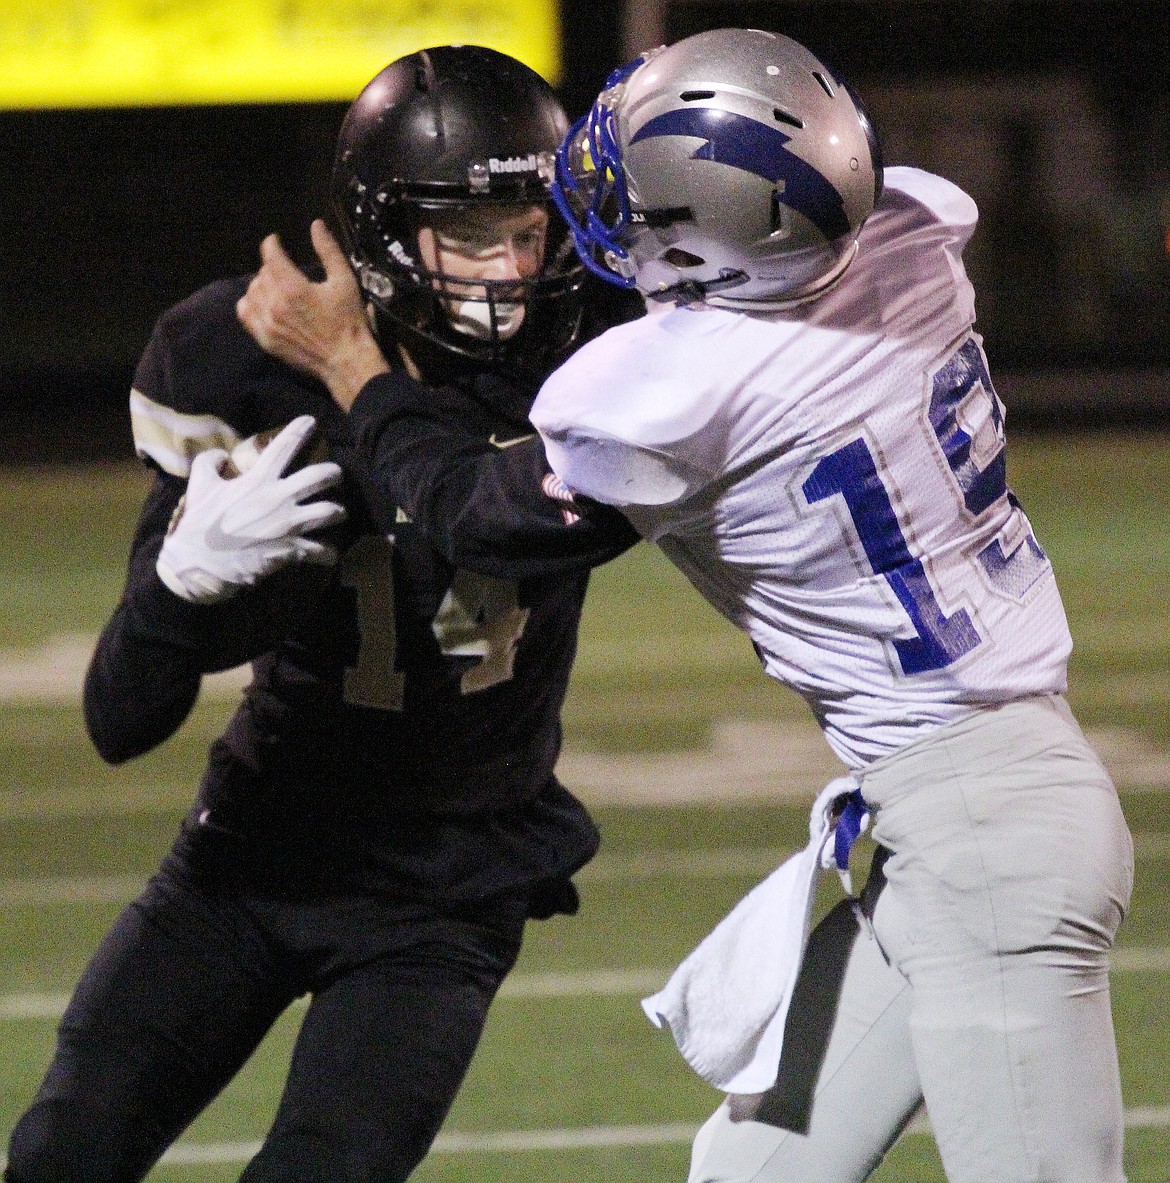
(530, 240)
(470, 244)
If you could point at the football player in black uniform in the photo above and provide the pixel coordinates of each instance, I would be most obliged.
(381, 815)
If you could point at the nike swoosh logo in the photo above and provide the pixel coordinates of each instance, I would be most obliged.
(495, 443)
(215, 538)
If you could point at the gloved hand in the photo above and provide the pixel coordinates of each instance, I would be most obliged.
(231, 531)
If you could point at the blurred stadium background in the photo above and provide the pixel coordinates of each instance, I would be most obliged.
(147, 146)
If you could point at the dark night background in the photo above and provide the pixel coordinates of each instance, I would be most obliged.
(1055, 116)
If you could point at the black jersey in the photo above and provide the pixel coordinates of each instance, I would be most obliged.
(402, 726)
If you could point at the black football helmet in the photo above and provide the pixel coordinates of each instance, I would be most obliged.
(457, 126)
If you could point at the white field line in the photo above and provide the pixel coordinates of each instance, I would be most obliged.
(583, 1138)
(20, 803)
(746, 760)
(1139, 959)
(720, 863)
(783, 772)
(54, 671)
(73, 889)
(732, 861)
(1140, 1117)
(1151, 846)
(588, 1137)
(605, 983)
(602, 983)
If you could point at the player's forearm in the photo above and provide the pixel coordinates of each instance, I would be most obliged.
(350, 368)
(146, 670)
(137, 694)
(487, 507)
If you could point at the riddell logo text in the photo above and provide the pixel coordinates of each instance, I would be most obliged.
(397, 250)
(514, 164)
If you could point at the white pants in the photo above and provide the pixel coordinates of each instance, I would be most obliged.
(986, 990)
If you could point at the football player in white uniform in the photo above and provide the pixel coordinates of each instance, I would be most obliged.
(806, 425)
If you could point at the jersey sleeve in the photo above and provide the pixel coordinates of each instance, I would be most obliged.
(144, 676)
(489, 505)
(151, 656)
(177, 408)
(145, 673)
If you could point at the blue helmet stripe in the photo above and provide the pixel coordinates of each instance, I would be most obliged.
(745, 143)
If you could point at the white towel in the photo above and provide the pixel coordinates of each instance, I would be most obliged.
(726, 1003)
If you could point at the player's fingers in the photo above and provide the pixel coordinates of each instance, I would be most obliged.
(270, 250)
(319, 514)
(276, 260)
(275, 457)
(322, 554)
(312, 479)
(276, 533)
(248, 310)
(257, 307)
(328, 251)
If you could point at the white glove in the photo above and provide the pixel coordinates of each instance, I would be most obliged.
(229, 533)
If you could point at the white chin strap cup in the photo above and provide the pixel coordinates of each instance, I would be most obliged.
(473, 318)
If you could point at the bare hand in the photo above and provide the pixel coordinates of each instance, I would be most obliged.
(320, 328)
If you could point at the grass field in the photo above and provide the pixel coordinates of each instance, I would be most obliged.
(571, 1082)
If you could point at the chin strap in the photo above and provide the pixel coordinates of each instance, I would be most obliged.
(692, 291)
(790, 300)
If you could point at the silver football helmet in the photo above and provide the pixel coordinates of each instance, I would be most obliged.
(732, 166)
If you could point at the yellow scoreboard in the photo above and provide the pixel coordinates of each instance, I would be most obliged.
(120, 53)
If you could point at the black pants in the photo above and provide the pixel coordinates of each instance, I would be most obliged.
(187, 983)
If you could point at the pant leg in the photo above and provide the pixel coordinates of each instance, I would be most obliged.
(172, 1004)
(847, 1085)
(385, 1046)
(1010, 872)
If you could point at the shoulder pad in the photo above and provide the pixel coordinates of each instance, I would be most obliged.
(944, 199)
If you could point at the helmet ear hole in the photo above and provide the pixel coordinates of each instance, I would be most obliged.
(782, 116)
(677, 257)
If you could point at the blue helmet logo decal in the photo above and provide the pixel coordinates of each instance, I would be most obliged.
(745, 143)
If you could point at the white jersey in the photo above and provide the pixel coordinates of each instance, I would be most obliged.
(832, 478)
